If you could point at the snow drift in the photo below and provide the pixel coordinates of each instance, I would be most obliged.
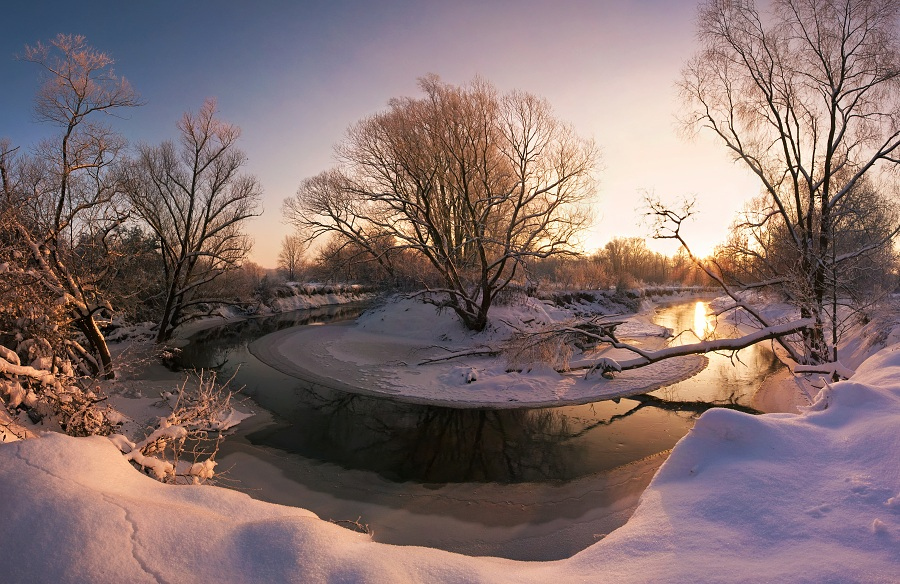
(813, 497)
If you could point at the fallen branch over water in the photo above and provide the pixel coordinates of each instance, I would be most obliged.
(594, 333)
(606, 365)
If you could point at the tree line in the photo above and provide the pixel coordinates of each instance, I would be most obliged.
(622, 263)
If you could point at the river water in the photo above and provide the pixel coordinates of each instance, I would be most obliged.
(537, 483)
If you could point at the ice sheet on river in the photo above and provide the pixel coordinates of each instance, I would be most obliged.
(382, 354)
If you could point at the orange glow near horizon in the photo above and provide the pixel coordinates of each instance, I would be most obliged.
(701, 248)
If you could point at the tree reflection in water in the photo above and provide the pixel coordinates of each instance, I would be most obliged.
(437, 445)
(425, 443)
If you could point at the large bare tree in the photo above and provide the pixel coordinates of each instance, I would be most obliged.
(196, 201)
(474, 181)
(807, 97)
(69, 195)
(290, 258)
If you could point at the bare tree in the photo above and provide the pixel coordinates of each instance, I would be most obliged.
(68, 190)
(28, 310)
(290, 258)
(808, 98)
(195, 200)
(474, 181)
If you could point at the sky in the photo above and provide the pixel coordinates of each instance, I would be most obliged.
(295, 75)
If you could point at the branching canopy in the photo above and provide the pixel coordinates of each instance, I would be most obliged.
(474, 181)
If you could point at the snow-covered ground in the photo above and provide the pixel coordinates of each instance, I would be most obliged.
(808, 497)
(297, 296)
(287, 297)
(385, 352)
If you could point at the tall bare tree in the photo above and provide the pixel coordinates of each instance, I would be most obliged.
(808, 98)
(196, 201)
(474, 181)
(290, 258)
(69, 189)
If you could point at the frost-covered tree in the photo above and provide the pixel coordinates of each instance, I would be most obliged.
(290, 258)
(807, 97)
(68, 192)
(474, 181)
(195, 199)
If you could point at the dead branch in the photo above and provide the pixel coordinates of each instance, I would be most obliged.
(831, 369)
(485, 352)
(647, 357)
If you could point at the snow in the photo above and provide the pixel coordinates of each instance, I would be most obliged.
(289, 297)
(303, 301)
(806, 497)
(230, 420)
(810, 497)
(385, 353)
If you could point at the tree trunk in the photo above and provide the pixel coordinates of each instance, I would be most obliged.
(97, 341)
(165, 320)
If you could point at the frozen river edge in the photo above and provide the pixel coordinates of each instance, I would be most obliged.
(355, 358)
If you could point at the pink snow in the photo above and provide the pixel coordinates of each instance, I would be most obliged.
(807, 497)
(385, 352)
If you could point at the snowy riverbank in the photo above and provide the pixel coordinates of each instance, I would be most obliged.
(286, 297)
(811, 497)
(386, 352)
(806, 497)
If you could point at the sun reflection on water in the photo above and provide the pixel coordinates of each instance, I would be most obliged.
(702, 327)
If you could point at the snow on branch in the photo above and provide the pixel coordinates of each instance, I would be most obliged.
(590, 334)
(476, 352)
(605, 365)
(194, 429)
(52, 392)
(9, 365)
(831, 369)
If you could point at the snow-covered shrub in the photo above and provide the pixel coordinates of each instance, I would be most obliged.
(47, 391)
(604, 367)
(181, 448)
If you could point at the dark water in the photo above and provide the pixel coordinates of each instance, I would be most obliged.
(428, 444)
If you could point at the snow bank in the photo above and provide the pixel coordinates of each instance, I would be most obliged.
(390, 351)
(813, 497)
(296, 296)
(286, 298)
(780, 497)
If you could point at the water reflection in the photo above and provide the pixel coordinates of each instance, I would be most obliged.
(702, 326)
(404, 442)
(411, 442)
(729, 377)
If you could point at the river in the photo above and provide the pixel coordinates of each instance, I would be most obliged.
(532, 484)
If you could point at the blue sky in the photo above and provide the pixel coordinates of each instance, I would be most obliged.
(295, 75)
